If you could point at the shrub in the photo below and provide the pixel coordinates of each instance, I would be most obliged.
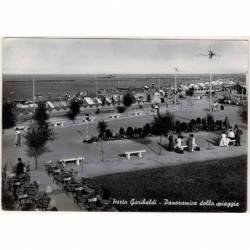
(198, 123)
(8, 117)
(135, 134)
(146, 129)
(140, 132)
(198, 120)
(130, 131)
(184, 126)
(128, 99)
(120, 109)
(108, 133)
(191, 126)
(210, 122)
(122, 132)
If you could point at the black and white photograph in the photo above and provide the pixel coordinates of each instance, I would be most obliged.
(124, 124)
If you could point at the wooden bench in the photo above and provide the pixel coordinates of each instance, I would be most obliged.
(76, 159)
(138, 152)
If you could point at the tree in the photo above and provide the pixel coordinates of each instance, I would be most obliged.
(210, 122)
(122, 132)
(8, 116)
(108, 133)
(101, 126)
(128, 99)
(40, 114)
(243, 113)
(163, 124)
(130, 131)
(74, 107)
(146, 129)
(120, 109)
(37, 137)
(190, 93)
(178, 127)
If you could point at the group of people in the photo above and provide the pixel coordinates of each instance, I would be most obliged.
(231, 135)
(176, 144)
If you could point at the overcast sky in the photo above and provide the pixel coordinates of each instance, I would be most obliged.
(83, 56)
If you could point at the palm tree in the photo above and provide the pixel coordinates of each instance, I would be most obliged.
(101, 126)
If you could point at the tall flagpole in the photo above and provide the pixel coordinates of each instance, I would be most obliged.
(210, 83)
(175, 86)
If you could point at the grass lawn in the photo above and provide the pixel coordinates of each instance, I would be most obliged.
(212, 181)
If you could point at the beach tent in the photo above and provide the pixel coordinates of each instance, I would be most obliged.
(89, 101)
(50, 105)
(98, 101)
(33, 105)
(108, 100)
(156, 98)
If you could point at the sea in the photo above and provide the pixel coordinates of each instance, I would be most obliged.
(19, 87)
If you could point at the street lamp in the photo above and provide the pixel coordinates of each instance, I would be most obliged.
(78, 131)
(210, 56)
(175, 85)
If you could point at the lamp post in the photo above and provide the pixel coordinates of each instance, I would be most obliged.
(175, 85)
(78, 131)
(210, 56)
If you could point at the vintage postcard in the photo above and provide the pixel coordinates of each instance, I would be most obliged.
(107, 124)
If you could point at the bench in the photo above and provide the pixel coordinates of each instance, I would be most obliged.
(114, 116)
(182, 147)
(22, 128)
(57, 124)
(137, 113)
(76, 159)
(91, 119)
(231, 141)
(138, 152)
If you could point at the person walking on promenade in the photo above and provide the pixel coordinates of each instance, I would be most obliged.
(17, 142)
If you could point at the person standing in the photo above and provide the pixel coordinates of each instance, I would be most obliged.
(190, 143)
(238, 133)
(18, 138)
(19, 167)
(171, 143)
(231, 134)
